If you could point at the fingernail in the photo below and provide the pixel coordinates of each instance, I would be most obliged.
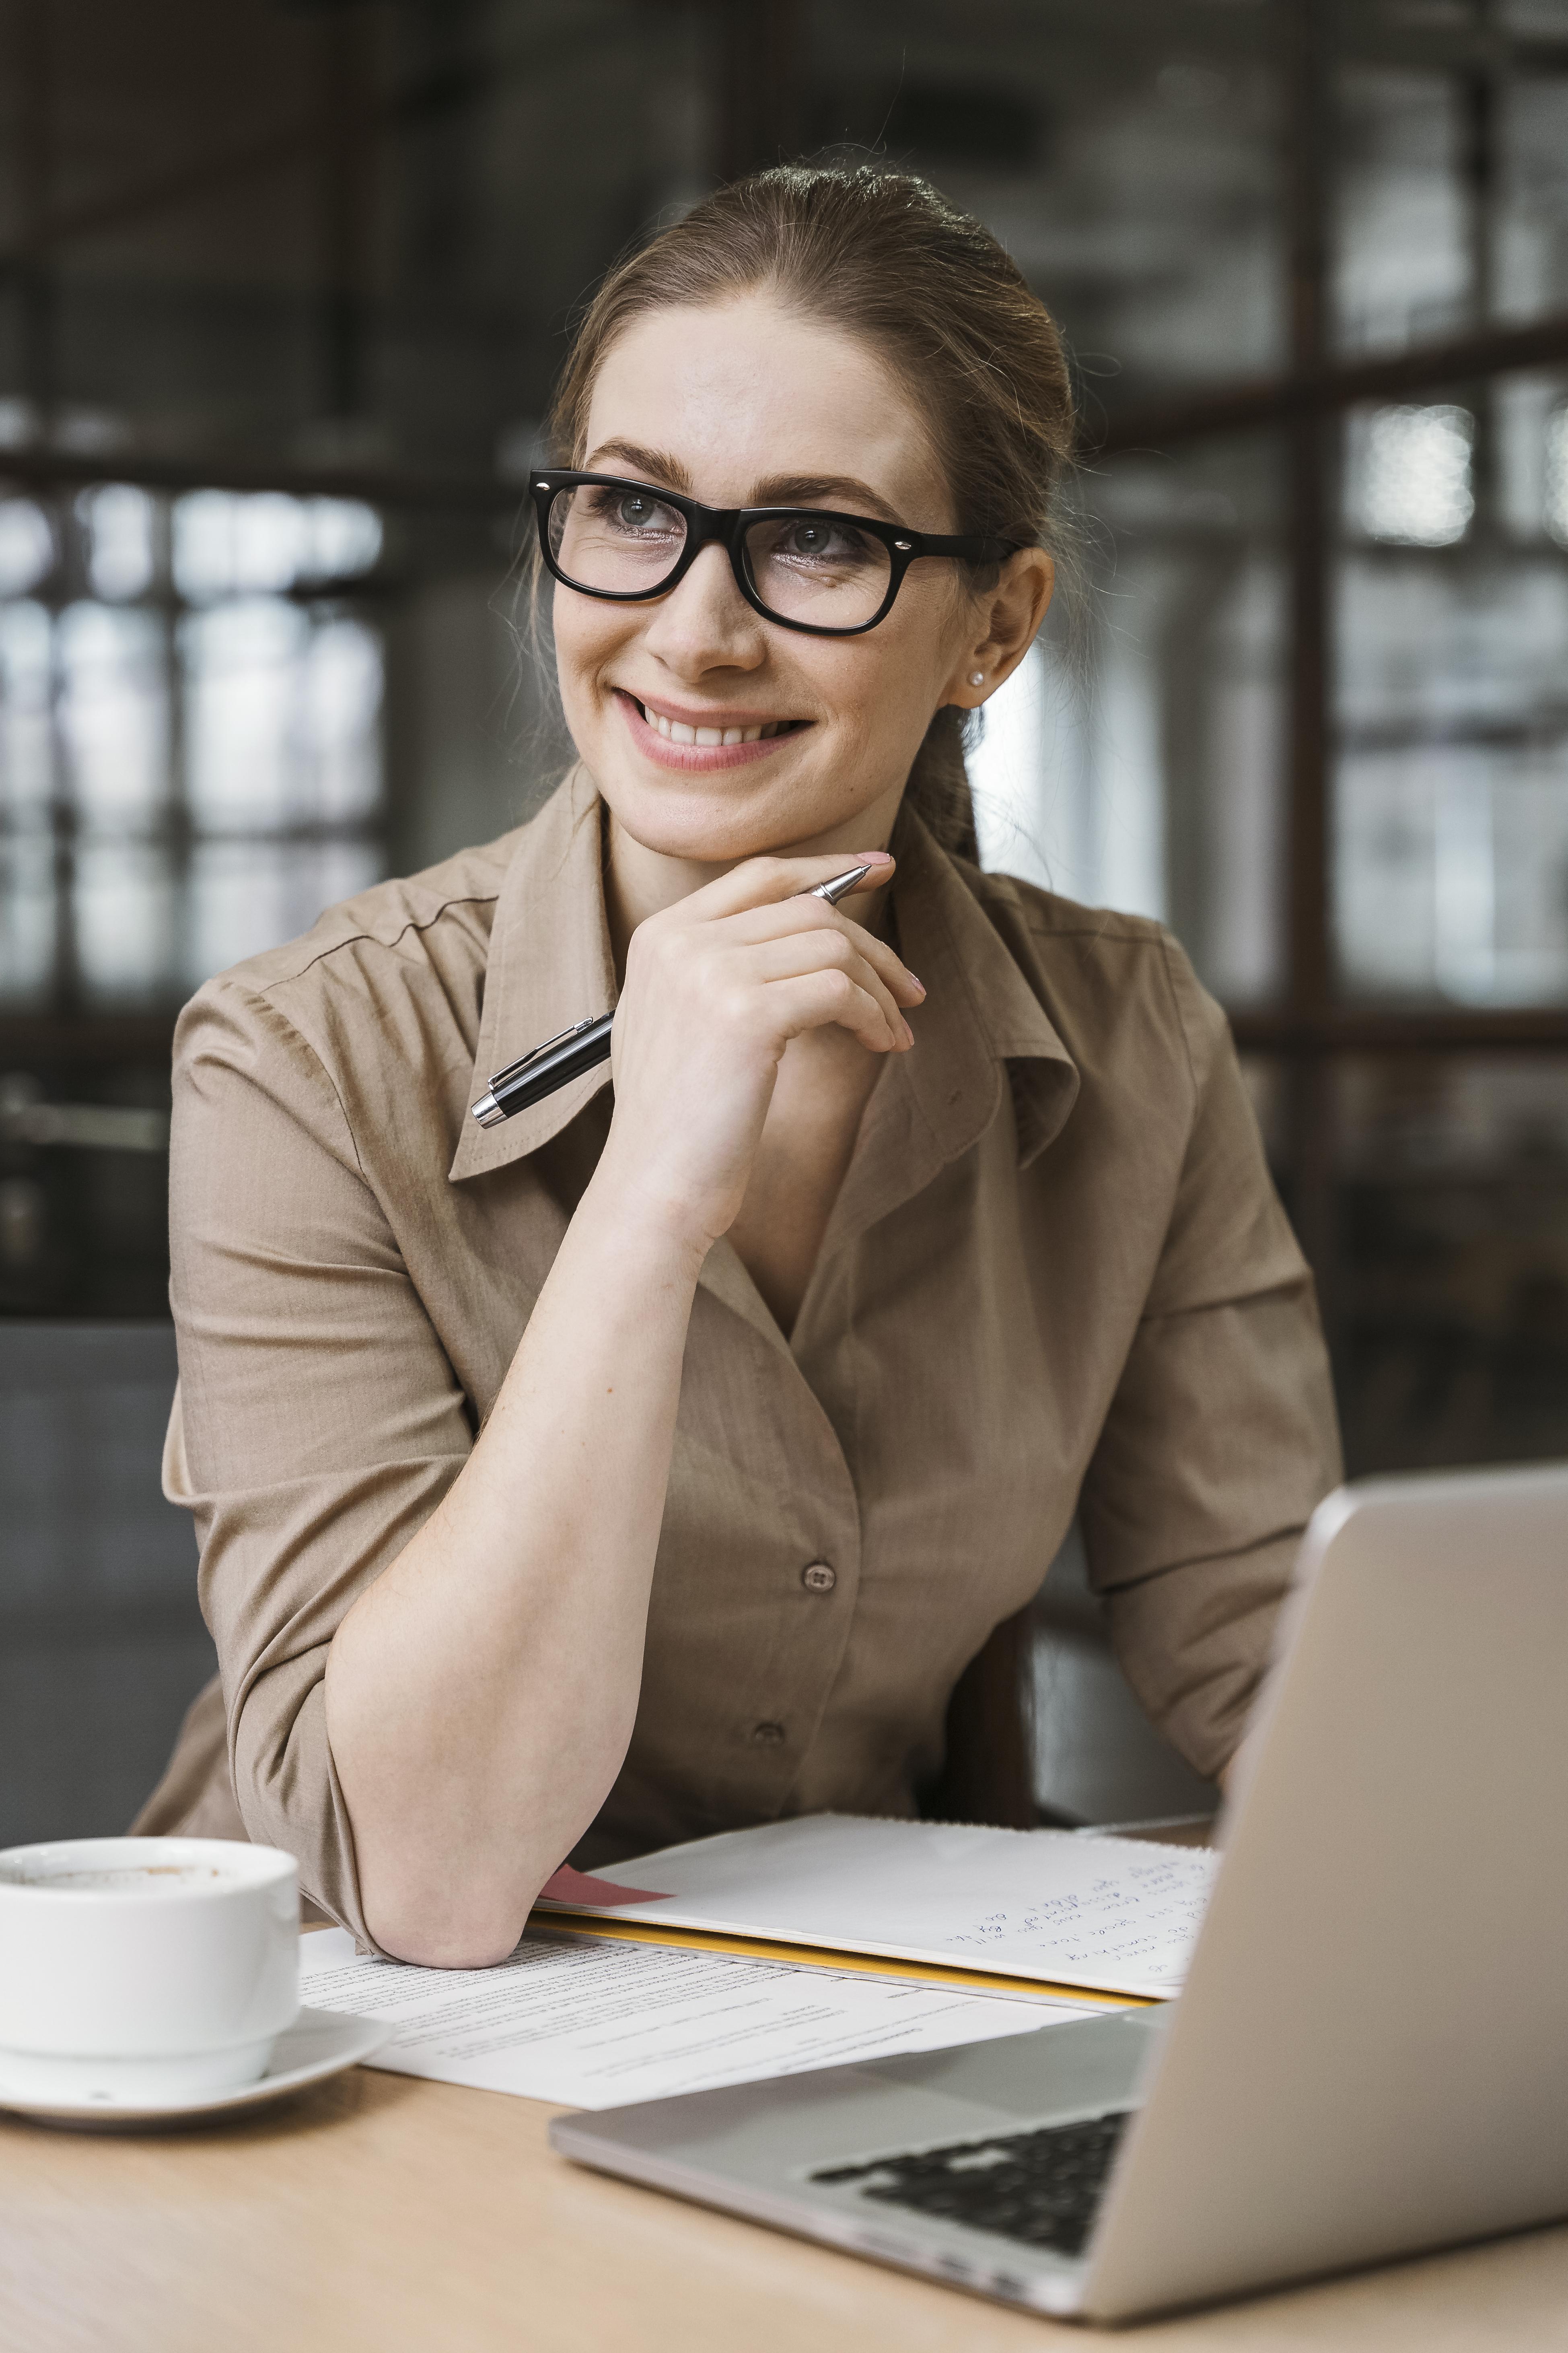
(917, 981)
(873, 858)
(909, 1033)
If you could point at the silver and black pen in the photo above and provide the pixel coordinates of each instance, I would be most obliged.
(583, 1047)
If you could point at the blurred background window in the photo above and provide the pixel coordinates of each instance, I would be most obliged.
(283, 288)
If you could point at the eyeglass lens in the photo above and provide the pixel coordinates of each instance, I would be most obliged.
(804, 567)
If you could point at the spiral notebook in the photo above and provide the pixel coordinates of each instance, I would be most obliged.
(1112, 1915)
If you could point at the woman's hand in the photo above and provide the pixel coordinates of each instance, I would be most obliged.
(716, 987)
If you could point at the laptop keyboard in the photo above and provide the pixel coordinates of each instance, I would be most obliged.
(1041, 2187)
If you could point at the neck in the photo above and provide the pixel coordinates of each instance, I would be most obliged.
(640, 881)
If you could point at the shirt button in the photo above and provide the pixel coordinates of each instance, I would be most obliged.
(819, 1576)
(767, 1735)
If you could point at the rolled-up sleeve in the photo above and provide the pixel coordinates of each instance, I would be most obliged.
(323, 1421)
(1222, 1435)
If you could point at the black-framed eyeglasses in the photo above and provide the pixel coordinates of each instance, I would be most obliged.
(832, 575)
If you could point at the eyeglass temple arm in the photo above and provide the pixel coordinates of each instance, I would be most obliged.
(981, 550)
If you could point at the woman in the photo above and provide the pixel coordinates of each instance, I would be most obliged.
(658, 1461)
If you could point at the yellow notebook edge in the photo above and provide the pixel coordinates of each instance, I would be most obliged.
(817, 1956)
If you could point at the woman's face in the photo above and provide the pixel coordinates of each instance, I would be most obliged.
(747, 404)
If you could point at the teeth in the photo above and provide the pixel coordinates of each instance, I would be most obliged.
(675, 731)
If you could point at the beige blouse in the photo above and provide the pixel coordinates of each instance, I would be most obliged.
(1056, 1280)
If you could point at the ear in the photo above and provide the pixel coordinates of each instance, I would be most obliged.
(1003, 626)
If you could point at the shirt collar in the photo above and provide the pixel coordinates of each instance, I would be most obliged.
(981, 1020)
(550, 963)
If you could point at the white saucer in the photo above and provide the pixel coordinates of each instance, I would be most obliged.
(319, 2043)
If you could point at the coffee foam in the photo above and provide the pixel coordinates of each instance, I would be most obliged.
(129, 1879)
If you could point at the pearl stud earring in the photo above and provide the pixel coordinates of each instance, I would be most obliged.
(977, 678)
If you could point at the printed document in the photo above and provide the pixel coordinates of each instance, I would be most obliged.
(1121, 1914)
(594, 2024)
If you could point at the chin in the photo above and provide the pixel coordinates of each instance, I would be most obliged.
(717, 822)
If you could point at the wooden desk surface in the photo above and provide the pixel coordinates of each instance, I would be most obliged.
(404, 2216)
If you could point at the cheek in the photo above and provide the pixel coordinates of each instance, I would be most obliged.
(586, 633)
(893, 692)
(586, 636)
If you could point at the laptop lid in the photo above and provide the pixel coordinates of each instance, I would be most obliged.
(1370, 2053)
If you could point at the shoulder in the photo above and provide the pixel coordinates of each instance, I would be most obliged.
(365, 963)
(1116, 986)
(395, 918)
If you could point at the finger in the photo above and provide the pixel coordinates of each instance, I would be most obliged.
(791, 918)
(824, 950)
(818, 1000)
(814, 952)
(760, 881)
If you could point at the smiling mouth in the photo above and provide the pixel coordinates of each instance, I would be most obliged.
(675, 731)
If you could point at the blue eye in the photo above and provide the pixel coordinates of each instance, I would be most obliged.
(815, 539)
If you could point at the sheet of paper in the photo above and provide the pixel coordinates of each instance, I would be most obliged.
(594, 2024)
(1111, 1912)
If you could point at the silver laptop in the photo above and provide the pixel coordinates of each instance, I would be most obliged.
(1370, 2053)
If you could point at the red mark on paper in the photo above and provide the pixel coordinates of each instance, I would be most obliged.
(569, 1887)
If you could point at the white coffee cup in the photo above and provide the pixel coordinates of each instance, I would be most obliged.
(135, 1968)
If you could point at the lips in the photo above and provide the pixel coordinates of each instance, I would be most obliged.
(677, 731)
(690, 747)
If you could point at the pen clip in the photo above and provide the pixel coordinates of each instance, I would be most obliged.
(515, 1070)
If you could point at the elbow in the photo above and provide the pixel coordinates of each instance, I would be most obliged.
(440, 1928)
(446, 1950)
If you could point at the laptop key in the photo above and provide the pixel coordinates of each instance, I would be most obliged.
(1041, 2187)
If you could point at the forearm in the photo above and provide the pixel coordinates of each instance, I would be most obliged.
(482, 1694)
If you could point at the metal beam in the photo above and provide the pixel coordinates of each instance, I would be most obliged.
(110, 1040)
(162, 192)
(1341, 1029)
(1308, 926)
(1306, 915)
(445, 89)
(1272, 401)
(1320, 390)
(380, 486)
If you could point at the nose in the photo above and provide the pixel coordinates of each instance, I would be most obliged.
(705, 623)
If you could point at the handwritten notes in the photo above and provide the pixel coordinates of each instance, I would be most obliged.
(1141, 1918)
(1113, 1913)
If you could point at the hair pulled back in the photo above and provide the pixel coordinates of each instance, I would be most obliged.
(882, 254)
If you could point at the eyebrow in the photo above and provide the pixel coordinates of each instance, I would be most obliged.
(812, 489)
(774, 490)
(656, 463)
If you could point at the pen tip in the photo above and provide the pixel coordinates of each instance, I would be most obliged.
(842, 885)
